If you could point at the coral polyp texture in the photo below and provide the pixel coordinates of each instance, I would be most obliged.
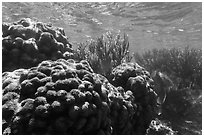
(67, 97)
(26, 43)
(158, 127)
(46, 91)
(136, 80)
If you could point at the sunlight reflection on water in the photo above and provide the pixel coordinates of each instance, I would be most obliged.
(148, 25)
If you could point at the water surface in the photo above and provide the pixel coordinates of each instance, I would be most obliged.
(148, 25)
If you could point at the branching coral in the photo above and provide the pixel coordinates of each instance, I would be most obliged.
(105, 53)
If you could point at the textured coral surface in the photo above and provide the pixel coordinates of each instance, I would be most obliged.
(66, 97)
(46, 92)
(26, 43)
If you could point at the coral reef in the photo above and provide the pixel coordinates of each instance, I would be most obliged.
(158, 127)
(48, 88)
(26, 43)
(67, 97)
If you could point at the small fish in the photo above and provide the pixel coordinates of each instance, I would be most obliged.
(180, 29)
(162, 85)
(188, 122)
(87, 36)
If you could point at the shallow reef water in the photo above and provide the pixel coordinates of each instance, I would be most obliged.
(148, 25)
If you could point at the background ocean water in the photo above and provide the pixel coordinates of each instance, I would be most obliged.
(148, 25)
